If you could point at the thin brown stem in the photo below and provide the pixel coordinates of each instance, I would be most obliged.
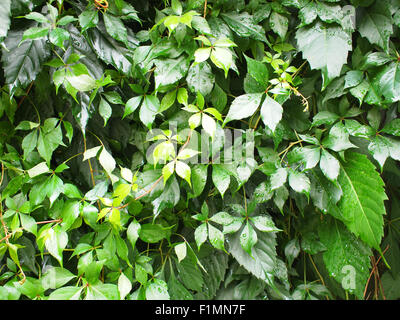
(373, 270)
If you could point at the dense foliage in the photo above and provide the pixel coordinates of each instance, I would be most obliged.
(200, 149)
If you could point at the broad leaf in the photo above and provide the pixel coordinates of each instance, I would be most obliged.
(362, 200)
(326, 48)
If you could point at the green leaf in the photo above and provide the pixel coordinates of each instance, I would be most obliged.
(107, 161)
(389, 81)
(168, 100)
(262, 261)
(38, 170)
(169, 71)
(346, 257)
(200, 78)
(88, 19)
(222, 58)
(243, 106)
(110, 50)
(299, 182)
(393, 127)
(244, 25)
(151, 233)
(35, 33)
(180, 250)
(66, 293)
(220, 178)
(82, 82)
(216, 237)
(29, 142)
(325, 47)
(124, 286)
(338, 139)
(248, 238)
(324, 117)
(209, 125)
(202, 54)
(105, 110)
(115, 27)
(149, 110)
(201, 234)
(278, 178)
(56, 277)
(132, 232)
(57, 36)
(19, 70)
(199, 179)
(362, 200)
(56, 240)
(5, 12)
(279, 24)
(264, 223)
(131, 105)
(271, 113)
(183, 170)
(257, 70)
(353, 78)
(157, 290)
(329, 165)
(376, 25)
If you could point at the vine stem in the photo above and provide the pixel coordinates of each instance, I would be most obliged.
(373, 270)
(6, 233)
(24, 97)
(319, 274)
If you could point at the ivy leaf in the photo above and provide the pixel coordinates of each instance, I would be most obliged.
(200, 78)
(132, 232)
(88, 19)
(157, 290)
(222, 58)
(263, 257)
(244, 25)
(389, 81)
(131, 105)
(107, 161)
(110, 50)
(115, 27)
(201, 235)
(346, 257)
(257, 70)
(105, 110)
(299, 182)
(56, 240)
(325, 47)
(183, 170)
(169, 71)
(362, 200)
(376, 25)
(220, 178)
(338, 139)
(278, 178)
(248, 238)
(271, 113)
(237, 110)
(58, 36)
(19, 70)
(38, 170)
(124, 286)
(329, 165)
(5, 12)
(66, 293)
(149, 110)
(216, 237)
